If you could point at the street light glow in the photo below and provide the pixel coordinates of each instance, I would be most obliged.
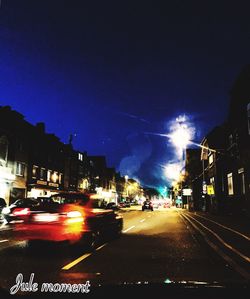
(172, 171)
(181, 136)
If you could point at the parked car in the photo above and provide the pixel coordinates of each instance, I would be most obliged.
(19, 210)
(2, 205)
(147, 205)
(71, 217)
(156, 204)
(127, 204)
(112, 206)
(124, 204)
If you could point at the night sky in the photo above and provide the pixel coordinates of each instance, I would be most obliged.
(113, 71)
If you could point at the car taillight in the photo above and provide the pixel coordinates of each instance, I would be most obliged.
(21, 212)
(74, 217)
(45, 217)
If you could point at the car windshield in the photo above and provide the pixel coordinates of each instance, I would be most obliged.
(26, 202)
(61, 199)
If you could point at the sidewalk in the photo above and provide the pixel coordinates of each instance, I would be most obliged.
(237, 222)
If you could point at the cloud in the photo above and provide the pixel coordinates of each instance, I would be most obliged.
(140, 150)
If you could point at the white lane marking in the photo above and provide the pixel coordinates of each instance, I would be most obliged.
(219, 251)
(81, 258)
(78, 260)
(228, 228)
(246, 258)
(142, 220)
(100, 247)
(1, 241)
(126, 230)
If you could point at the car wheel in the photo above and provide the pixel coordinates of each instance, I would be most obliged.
(33, 245)
(94, 239)
(118, 232)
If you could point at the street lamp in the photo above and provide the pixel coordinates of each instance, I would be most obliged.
(180, 138)
(126, 185)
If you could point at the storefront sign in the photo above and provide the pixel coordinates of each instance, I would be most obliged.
(53, 185)
(187, 192)
(41, 183)
(210, 189)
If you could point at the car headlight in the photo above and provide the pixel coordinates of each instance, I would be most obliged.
(5, 210)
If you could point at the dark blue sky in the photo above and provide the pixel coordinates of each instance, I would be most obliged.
(110, 71)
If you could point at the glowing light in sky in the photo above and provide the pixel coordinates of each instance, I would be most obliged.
(181, 137)
(181, 134)
(172, 171)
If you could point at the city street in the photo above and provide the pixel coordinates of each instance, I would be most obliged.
(161, 246)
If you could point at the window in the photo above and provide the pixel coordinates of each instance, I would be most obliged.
(20, 146)
(20, 168)
(42, 173)
(230, 139)
(3, 150)
(49, 172)
(242, 181)
(34, 171)
(80, 156)
(222, 183)
(230, 184)
(54, 177)
(248, 117)
(211, 159)
(60, 178)
(212, 181)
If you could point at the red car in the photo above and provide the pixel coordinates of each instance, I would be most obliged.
(69, 217)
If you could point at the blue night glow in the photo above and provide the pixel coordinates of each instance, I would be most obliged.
(110, 74)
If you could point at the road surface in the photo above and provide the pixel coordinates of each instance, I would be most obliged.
(164, 246)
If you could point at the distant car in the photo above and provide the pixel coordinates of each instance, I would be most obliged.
(19, 210)
(112, 206)
(121, 204)
(127, 204)
(124, 204)
(156, 204)
(147, 205)
(166, 205)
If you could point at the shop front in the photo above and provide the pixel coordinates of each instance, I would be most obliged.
(6, 182)
(42, 189)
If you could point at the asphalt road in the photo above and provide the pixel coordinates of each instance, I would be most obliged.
(156, 247)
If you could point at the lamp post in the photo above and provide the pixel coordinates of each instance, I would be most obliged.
(180, 138)
(126, 185)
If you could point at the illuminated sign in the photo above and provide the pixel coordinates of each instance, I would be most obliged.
(41, 182)
(53, 185)
(210, 189)
(187, 192)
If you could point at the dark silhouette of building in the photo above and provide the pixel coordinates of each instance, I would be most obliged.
(193, 178)
(15, 135)
(226, 157)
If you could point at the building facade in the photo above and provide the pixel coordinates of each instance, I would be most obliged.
(223, 186)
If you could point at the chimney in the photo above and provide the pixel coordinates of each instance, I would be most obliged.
(41, 127)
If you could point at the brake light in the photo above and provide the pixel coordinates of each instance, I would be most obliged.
(45, 217)
(21, 212)
(74, 217)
